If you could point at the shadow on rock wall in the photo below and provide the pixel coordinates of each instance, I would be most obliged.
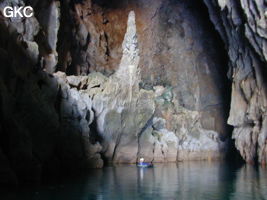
(44, 124)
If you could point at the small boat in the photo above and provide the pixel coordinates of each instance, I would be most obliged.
(143, 164)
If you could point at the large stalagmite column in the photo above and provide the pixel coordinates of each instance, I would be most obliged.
(128, 72)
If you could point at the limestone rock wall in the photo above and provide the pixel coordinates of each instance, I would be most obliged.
(242, 25)
(180, 62)
(133, 122)
(44, 122)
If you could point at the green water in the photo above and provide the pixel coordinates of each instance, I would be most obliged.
(183, 181)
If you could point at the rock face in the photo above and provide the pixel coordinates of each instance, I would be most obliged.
(44, 122)
(134, 122)
(242, 25)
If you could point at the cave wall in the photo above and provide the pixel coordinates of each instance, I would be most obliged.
(177, 57)
(242, 26)
(44, 122)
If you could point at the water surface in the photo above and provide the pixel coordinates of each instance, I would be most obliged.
(183, 181)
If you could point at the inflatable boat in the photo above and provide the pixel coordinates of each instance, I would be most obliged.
(145, 165)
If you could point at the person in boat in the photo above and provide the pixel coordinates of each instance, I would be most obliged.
(141, 163)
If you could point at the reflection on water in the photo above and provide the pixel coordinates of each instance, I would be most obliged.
(183, 181)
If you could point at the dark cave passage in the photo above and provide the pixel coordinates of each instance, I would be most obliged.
(232, 154)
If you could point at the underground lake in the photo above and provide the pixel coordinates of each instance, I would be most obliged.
(181, 181)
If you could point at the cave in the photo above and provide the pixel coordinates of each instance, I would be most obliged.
(89, 85)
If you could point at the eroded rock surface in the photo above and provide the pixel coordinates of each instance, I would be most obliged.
(44, 122)
(242, 25)
(133, 122)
